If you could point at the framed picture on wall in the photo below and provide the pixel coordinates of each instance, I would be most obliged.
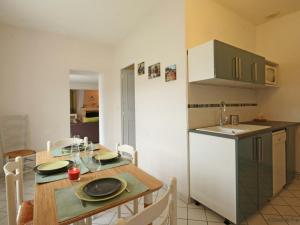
(154, 71)
(170, 73)
(141, 68)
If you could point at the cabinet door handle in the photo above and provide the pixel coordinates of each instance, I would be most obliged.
(255, 72)
(259, 147)
(261, 150)
(240, 68)
(236, 68)
(234, 71)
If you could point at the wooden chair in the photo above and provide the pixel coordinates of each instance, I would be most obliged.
(130, 153)
(165, 209)
(14, 140)
(14, 194)
(64, 142)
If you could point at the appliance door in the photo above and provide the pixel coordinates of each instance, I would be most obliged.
(265, 168)
(271, 75)
(279, 160)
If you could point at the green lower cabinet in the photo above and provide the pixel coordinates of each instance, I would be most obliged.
(290, 154)
(254, 169)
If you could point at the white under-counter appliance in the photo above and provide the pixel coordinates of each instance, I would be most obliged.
(279, 160)
(271, 73)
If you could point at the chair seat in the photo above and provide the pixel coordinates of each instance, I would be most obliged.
(25, 213)
(16, 153)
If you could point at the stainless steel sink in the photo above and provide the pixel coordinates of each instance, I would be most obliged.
(233, 129)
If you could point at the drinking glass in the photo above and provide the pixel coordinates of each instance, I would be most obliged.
(88, 159)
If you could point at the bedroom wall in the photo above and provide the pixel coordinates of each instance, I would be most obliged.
(34, 79)
(161, 107)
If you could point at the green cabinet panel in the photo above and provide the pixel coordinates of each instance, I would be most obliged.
(233, 63)
(247, 178)
(290, 154)
(258, 69)
(265, 168)
(255, 178)
(225, 61)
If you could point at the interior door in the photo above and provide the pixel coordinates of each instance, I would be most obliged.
(128, 106)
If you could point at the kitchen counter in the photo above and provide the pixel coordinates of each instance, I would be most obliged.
(272, 126)
(275, 125)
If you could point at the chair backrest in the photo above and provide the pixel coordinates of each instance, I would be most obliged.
(14, 188)
(14, 132)
(64, 142)
(128, 152)
(165, 208)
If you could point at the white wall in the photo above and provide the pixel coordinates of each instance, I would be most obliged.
(278, 40)
(207, 20)
(34, 78)
(161, 115)
(83, 85)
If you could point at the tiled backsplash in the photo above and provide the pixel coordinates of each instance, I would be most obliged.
(190, 106)
(204, 103)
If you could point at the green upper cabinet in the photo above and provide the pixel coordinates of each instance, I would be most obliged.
(216, 62)
(225, 61)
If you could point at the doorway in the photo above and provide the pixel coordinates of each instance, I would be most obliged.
(128, 105)
(84, 104)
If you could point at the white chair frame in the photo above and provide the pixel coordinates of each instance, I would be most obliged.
(8, 144)
(168, 204)
(64, 142)
(14, 188)
(129, 152)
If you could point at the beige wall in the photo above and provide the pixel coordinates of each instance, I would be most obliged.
(207, 20)
(34, 78)
(161, 114)
(278, 40)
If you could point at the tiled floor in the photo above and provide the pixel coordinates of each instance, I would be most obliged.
(282, 210)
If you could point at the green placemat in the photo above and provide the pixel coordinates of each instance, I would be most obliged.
(93, 166)
(39, 179)
(69, 206)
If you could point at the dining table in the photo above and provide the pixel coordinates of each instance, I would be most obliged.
(45, 210)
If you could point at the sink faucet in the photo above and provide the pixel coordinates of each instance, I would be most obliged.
(223, 119)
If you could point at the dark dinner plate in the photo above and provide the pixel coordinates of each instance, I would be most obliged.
(102, 187)
(53, 171)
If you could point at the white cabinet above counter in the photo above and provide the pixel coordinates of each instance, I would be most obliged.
(218, 63)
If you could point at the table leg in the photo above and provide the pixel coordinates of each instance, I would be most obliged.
(81, 222)
(148, 200)
(88, 221)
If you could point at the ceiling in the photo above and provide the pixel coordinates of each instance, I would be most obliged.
(106, 21)
(260, 11)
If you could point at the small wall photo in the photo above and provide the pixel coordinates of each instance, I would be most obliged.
(170, 73)
(154, 71)
(141, 68)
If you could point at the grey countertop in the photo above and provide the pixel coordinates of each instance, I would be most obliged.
(273, 126)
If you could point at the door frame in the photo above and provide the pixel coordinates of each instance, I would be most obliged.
(130, 66)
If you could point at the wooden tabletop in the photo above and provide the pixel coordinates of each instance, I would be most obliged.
(44, 199)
